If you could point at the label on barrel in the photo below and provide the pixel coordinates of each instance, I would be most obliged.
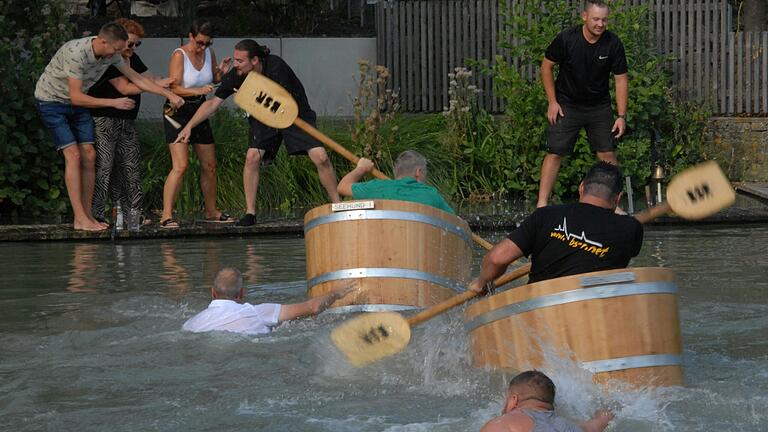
(352, 205)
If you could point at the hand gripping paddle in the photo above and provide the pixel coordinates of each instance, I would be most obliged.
(695, 193)
(271, 104)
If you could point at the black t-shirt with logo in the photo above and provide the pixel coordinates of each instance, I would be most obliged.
(104, 89)
(276, 69)
(585, 67)
(577, 238)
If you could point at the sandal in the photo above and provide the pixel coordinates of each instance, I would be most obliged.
(224, 217)
(169, 223)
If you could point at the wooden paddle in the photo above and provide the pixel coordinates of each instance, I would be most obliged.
(695, 193)
(372, 336)
(269, 103)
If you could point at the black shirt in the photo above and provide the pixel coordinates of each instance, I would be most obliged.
(585, 67)
(104, 89)
(577, 238)
(276, 69)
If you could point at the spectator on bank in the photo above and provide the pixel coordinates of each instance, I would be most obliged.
(264, 141)
(118, 154)
(63, 105)
(194, 70)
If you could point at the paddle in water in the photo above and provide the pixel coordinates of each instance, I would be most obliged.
(695, 193)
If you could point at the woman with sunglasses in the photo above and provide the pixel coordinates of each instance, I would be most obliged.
(118, 154)
(194, 70)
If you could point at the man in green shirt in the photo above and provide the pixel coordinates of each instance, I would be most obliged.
(408, 185)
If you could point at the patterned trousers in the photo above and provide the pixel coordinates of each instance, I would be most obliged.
(118, 169)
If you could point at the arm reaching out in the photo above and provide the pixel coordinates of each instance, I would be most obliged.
(364, 167)
(598, 422)
(315, 305)
(149, 85)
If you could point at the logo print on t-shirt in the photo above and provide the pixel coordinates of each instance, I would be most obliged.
(602, 57)
(577, 241)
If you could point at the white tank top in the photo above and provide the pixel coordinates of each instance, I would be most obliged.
(193, 77)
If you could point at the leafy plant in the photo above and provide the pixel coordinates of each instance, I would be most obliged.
(31, 175)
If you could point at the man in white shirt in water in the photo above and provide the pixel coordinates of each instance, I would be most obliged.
(530, 407)
(229, 312)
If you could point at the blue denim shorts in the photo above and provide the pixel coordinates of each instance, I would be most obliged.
(68, 124)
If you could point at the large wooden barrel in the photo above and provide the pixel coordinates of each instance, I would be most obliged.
(404, 255)
(618, 324)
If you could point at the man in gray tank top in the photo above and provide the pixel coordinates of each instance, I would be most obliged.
(529, 407)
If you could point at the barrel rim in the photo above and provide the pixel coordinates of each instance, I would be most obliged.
(401, 215)
(571, 296)
(633, 362)
(384, 272)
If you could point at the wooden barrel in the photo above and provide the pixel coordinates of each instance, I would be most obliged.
(404, 255)
(618, 324)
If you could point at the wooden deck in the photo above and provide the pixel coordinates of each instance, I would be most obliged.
(755, 190)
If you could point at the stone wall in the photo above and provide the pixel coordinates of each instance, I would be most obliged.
(740, 144)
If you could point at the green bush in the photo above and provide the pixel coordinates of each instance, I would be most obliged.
(31, 175)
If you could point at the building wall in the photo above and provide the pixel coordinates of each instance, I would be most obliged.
(326, 66)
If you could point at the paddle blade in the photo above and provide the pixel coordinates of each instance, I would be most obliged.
(700, 191)
(266, 101)
(372, 336)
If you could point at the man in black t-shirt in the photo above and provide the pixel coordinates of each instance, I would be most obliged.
(264, 141)
(586, 56)
(570, 239)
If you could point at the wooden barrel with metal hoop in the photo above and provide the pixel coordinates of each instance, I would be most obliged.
(403, 255)
(618, 324)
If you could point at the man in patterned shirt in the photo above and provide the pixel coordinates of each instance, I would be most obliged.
(62, 101)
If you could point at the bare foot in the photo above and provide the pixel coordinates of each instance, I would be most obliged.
(88, 225)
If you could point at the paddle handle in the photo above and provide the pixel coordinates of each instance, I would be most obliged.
(652, 213)
(467, 295)
(333, 145)
(348, 155)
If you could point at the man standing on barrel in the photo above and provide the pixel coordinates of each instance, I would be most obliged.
(586, 56)
(264, 141)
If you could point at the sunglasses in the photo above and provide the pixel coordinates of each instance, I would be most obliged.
(134, 45)
(204, 44)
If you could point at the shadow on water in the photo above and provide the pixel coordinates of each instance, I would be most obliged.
(91, 341)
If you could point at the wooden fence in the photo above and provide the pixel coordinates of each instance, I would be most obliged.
(422, 41)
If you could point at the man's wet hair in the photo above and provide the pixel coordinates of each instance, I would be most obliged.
(407, 163)
(201, 26)
(228, 282)
(113, 32)
(603, 180)
(596, 3)
(534, 384)
(252, 48)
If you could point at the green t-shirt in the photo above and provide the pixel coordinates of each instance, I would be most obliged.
(404, 189)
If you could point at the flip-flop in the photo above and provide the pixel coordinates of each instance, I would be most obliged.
(224, 217)
(169, 223)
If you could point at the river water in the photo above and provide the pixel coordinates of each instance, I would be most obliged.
(90, 340)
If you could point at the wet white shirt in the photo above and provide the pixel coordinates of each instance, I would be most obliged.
(228, 315)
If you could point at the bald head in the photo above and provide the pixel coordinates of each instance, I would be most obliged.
(228, 283)
(533, 385)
